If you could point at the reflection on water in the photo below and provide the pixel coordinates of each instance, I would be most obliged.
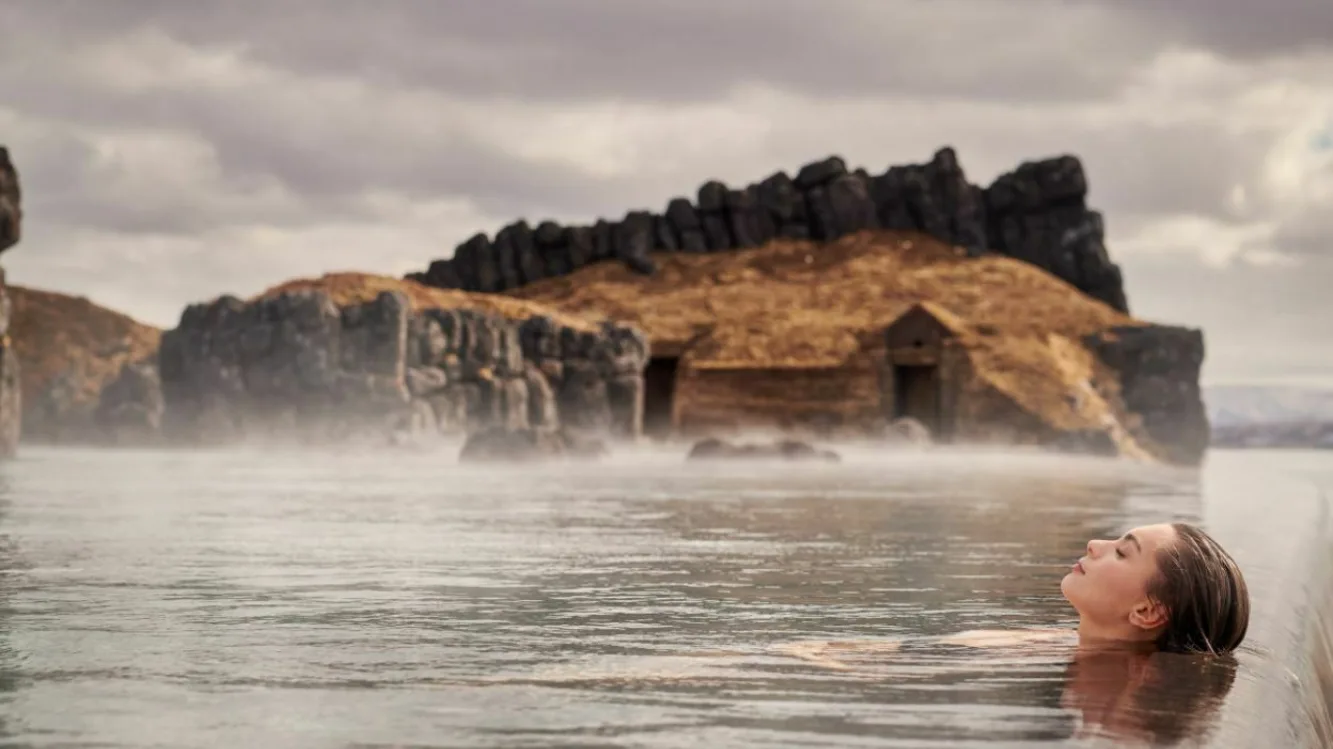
(1159, 699)
(211, 599)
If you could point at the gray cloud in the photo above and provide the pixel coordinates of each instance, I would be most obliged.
(684, 50)
(1242, 28)
(328, 152)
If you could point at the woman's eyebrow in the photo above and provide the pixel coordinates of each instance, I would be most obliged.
(1132, 537)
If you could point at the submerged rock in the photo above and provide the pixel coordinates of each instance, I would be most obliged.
(906, 430)
(528, 444)
(789, 450)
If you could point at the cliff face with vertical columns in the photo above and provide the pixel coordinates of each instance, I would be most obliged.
(1036, 213)
(306, 364)
(11, 230)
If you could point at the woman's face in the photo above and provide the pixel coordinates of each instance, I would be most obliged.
(1109, 584)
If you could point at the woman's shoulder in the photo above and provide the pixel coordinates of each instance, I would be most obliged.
(999, 638)
(835, 653)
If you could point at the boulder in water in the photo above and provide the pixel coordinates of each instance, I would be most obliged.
(906, 430)
(788, 450)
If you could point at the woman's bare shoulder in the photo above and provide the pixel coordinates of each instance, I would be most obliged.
(838, 653)
(998, 638)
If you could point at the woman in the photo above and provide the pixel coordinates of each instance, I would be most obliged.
(1167, 587)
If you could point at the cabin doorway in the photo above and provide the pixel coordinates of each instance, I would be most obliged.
(917, 394)
(659, 396)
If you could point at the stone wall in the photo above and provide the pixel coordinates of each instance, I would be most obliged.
(298, 367)
(1036, 213)
(11, 225)
(1158, 368)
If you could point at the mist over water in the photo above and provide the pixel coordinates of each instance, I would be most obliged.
(271, 597)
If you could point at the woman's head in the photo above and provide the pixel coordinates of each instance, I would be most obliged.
(1169, 584)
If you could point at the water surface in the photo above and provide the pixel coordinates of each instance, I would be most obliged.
(390, 599)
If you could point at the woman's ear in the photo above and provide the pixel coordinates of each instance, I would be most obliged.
(1148, 614)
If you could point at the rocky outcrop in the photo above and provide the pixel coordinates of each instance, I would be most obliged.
(11, 230)
(1158, 367)
(1036, 213)
(905, 431)
(70, 349)
(504, 444)
(299, 366)
(783, 450)
(11, 207)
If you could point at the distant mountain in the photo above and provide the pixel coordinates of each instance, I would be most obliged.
(1240, 405)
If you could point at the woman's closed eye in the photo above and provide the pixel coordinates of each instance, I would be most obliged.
(1120, 553)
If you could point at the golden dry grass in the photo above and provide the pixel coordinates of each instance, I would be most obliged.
(806, 304)
(54, 333)
(354, 288)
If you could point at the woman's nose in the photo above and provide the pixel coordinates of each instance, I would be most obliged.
(1093, 545)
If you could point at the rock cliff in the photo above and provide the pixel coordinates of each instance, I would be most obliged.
(70, 350)
(1036, 213)
(11, 230)
(1158, 368)
(351, 357)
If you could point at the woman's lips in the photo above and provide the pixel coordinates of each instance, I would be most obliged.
(1078, 567)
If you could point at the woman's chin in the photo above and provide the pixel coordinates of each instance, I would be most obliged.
(1066, 582)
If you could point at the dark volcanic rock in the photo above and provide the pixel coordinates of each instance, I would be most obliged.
(853, 209)
(525, 445)
(1036, 213)
(712, 205)
(687, 225)
(11, 231)
(787, 450)
(634, 240)
(11, 207)
(1159, 368)
(779, 197)
(819, 173)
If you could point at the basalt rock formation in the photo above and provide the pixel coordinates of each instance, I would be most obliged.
(1158, 368)
(1036, 213)
(324, 361)
(11, 230)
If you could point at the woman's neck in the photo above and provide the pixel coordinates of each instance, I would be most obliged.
(1092, 635)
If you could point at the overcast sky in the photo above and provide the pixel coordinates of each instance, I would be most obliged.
(172, 151)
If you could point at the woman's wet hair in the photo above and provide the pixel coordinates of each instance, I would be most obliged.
(1204, 592)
